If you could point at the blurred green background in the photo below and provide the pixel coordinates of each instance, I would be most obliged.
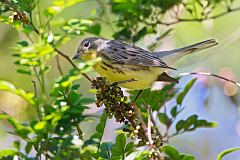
(210, 98)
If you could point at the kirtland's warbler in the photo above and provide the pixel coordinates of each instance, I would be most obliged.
(138, 67)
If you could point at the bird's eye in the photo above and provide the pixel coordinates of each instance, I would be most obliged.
(86, 44)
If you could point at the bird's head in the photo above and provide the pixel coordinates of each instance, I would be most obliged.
(87, 49)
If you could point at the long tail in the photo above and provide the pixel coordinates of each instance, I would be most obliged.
(171, 56)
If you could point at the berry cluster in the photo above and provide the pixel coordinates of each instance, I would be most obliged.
(116, 104)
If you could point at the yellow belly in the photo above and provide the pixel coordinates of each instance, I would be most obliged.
(143, 76)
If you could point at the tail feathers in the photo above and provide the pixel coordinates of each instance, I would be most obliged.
(172, 55)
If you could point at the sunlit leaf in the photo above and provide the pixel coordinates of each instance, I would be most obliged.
(226, 152)
(79, 26)
(19, 129)
(40, 125)
(7, 86)
(185, 91)
(8, 152)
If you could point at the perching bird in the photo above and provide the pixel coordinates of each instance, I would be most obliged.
(137, 68)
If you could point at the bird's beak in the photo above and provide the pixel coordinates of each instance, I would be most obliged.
(76, 55)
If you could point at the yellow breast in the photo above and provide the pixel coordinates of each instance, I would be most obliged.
(143, 76)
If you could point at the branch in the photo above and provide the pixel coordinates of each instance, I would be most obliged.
(149, 126)
(211, 75)
(71, 62)
(80, 133)
(35, 95)
(59, 65)
(192, 20)
(13, 7)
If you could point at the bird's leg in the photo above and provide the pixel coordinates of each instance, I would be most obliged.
(139, 93)
(121, 82)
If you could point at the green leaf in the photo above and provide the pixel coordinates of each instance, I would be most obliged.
(185, 91)
(27, 29)
(26, 71)
(186, 157)
(158, 98)
(226, 152)
(143, 155)
(73, 98)
(105, 150)
(21, 130)
(40, 125)
(28, 147)
(192, 122)
(205, 123)
(174, 111)
(97, 137)
(27, 5)
(118, 148)
(129, 148)
(180, 125)
(78, 26)
(8, 152)
(23, 43)
(141, 33)
(95, 29)
(7, 86)
(16, 144)
(171, 152)
(101, 126)
(75, 86)
(64, 84)
(164, 119)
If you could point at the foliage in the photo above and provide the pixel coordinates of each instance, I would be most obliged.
(226, 152)
(56, 133)
(139, 18)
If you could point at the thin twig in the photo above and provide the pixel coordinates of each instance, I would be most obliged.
(80, 134)
(149, 126)
(175, 134)
(211, 75)
(14, 8)
(39, 13)
(59, 65)
(35, 95)
(71, 62)
(155, 124)
(192, 20)
(38, 78)
(35, 88)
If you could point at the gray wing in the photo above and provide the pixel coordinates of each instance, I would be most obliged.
(122, 53)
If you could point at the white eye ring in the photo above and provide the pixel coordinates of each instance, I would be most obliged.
(86, 44)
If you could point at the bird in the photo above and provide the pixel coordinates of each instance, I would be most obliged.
(133, 67)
